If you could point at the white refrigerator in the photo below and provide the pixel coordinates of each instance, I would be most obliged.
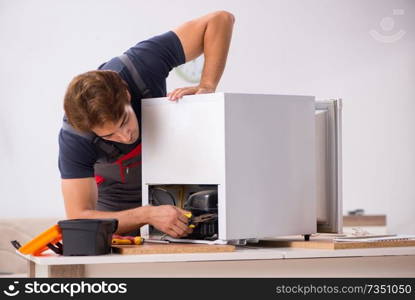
(274, 161)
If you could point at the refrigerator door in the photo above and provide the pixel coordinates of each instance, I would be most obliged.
(329, 166)
(270, 168)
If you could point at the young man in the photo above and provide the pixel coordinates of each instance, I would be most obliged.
(99, 143)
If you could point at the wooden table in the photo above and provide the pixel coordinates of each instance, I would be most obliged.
(244, 262)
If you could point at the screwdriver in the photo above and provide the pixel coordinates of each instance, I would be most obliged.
(133, 240)
(126, 240)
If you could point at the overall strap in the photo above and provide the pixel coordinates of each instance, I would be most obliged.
(145, 92)
(111, 151)
(68, 127)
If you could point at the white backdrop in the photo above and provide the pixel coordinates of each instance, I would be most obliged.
(324, 48)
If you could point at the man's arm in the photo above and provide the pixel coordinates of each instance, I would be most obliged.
(211, 35)
(81, 194)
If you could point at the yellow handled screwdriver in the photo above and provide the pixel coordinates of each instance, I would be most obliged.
(127, 240)
(133, 240)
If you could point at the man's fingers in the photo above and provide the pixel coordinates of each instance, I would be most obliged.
(182, 216)
(176, 231)
(189, 91)
(171, 95)
(172, 232)
(183, 219)
(183, 222)
(182, 230)
(180, 92)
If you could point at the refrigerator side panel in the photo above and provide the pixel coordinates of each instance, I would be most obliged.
(270, 165)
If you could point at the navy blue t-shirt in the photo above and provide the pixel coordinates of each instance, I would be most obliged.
(154, 59)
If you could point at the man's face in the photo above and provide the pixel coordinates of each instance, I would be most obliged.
(124, 131)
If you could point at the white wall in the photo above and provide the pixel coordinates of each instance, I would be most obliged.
(320, 48)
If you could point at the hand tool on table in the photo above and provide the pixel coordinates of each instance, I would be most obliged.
(133, 240)
(50, 238)
(195, 220)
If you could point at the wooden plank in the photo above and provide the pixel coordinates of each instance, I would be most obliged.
(170, 248)
(317, 244)
(364, 220)
(379, 244)
(330, 244)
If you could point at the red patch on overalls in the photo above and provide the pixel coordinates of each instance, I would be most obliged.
(133, 153)
(99, 179)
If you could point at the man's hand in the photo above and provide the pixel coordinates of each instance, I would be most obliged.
(169, 219)
(209, 35)
(190, 90)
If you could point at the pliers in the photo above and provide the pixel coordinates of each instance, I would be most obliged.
(194, 221)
